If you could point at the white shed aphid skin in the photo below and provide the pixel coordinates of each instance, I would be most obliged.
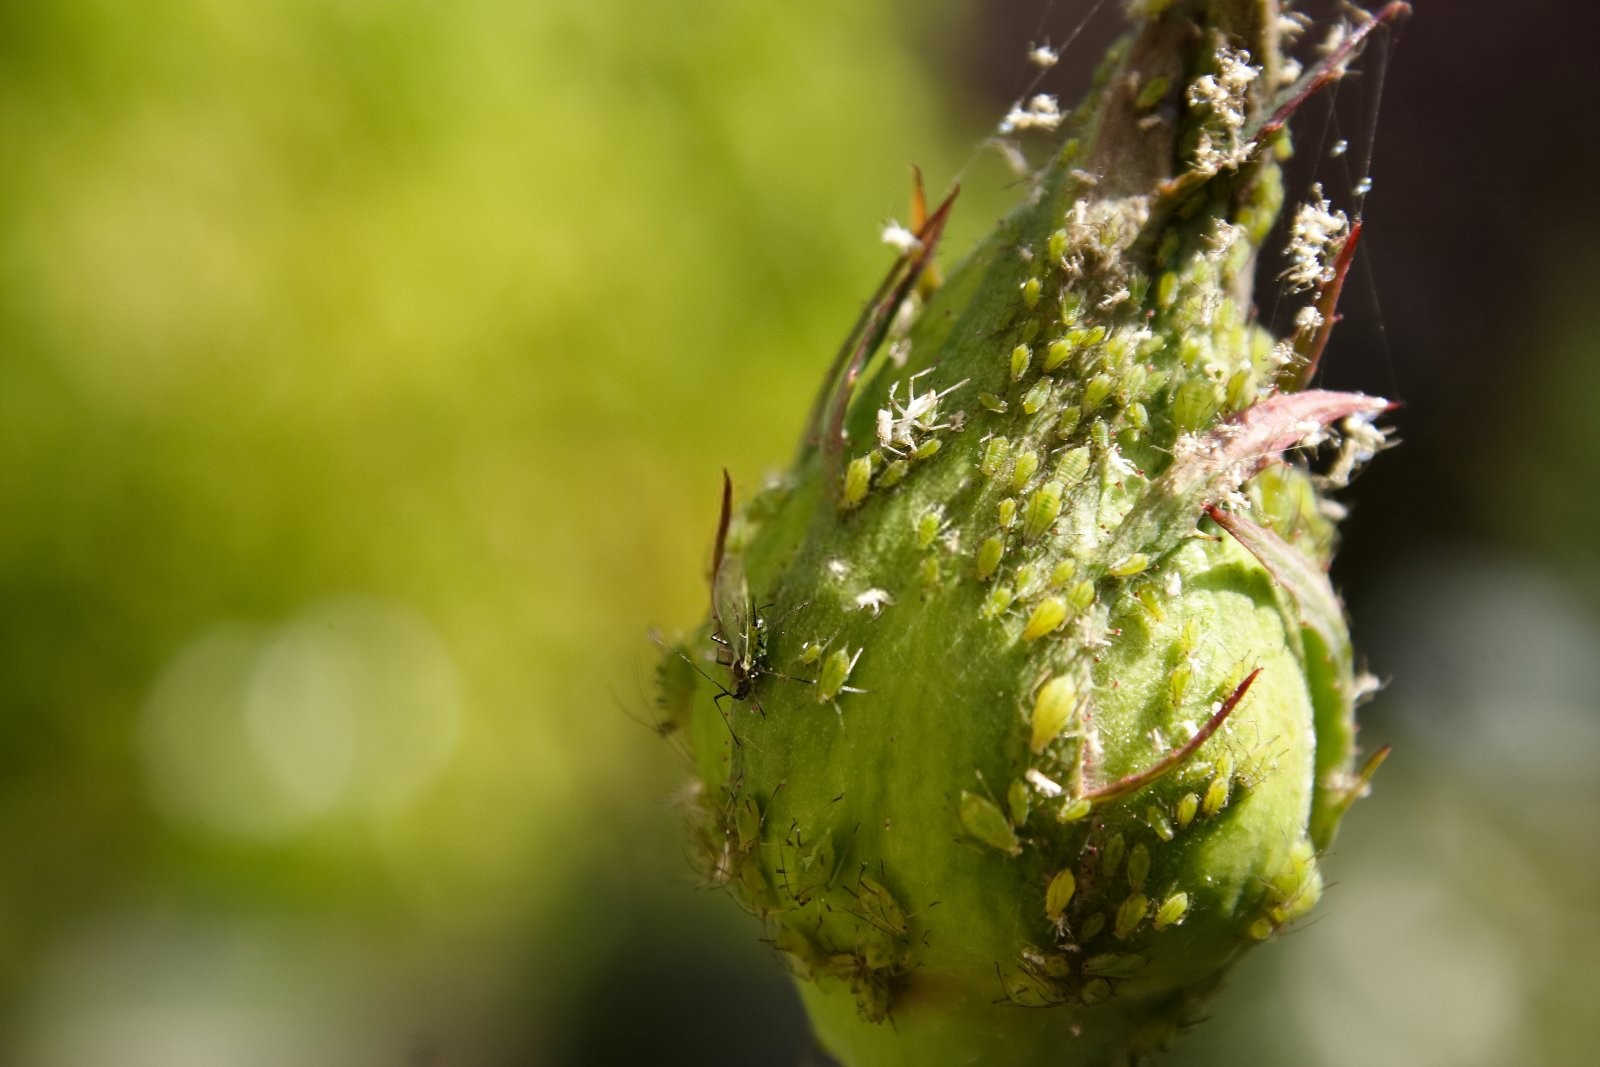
(899, 424)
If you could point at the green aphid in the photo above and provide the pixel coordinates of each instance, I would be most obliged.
(1194, 405)
(1024, 578)
(989, 552)
(996, 450)
(1166, 289)
(928, 524)
(927, 449)
(1100, 436)
(835, 672)
(1030, 292)
(1128, 566)
(928, 572)
(1216, 796)
(1111, 855)
(893, 473)
(1059, 894)
(1044, 506)
(1172, 911)
(982, 819)
(810, 652)
(1178, 683)
(747, 822)
(1113, 965)
(1055, 354)
(1067, 420)
(1046, 617)
(1018, 800)
(1095, 990)
(1081, 597)
(1096, 391)
(1020, 357)
(997, 601)
(990, 402)
(1006, 512)
(1056, 245)
(1062, 573)
(1092, 926)
(1036, 397)
(1074, 466)
(881, 908)
(857, 477)
(1130, 914)
(1023, 468)
(1138, 866)
(1188, 807)
(1075, 809)
(1152, 93)
(1158, 823)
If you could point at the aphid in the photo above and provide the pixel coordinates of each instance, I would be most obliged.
(983, 819)
(1047, 617)
(1091, 929)
(1036, 397)
(741, 632)
(989, 553)
(1073, 810)
(857, 476)
(1129, 565)
(1018, 801)
(1030, 292)
(1074, 466)
(1043, 508)
(993, 459)
(835, 671)
(1020, 356)
(1188, 807)
(1138, 866)
(1113, 965)
(1006, 512)
(1130, 914)
(1059, 895)
(997, 602)
(1027, 462)
(1171, 911)
(1053, 709)
(1111, 855)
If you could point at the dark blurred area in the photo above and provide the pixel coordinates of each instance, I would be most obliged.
(365, 371)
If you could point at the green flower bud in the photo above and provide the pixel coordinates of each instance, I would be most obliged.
(970, 740)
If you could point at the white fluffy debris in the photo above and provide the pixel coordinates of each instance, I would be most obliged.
(1041, 112)
(873, 600)
(1315, 237)
(1223, 96)
(1043, 56)
(899, 238)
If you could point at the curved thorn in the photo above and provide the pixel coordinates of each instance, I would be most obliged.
(868, 334)
(1166, 764)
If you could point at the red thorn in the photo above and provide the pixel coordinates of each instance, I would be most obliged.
(1138, 780)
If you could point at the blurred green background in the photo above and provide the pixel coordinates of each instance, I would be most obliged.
(365, 372)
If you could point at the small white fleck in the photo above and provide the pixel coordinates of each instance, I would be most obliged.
(1041, 783)
(1174, 584)
(838, 568)
(898, 237)
(1340, 147)
(1043, 56)
(873, 600)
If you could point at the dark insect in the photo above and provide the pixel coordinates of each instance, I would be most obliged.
(741, 631)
